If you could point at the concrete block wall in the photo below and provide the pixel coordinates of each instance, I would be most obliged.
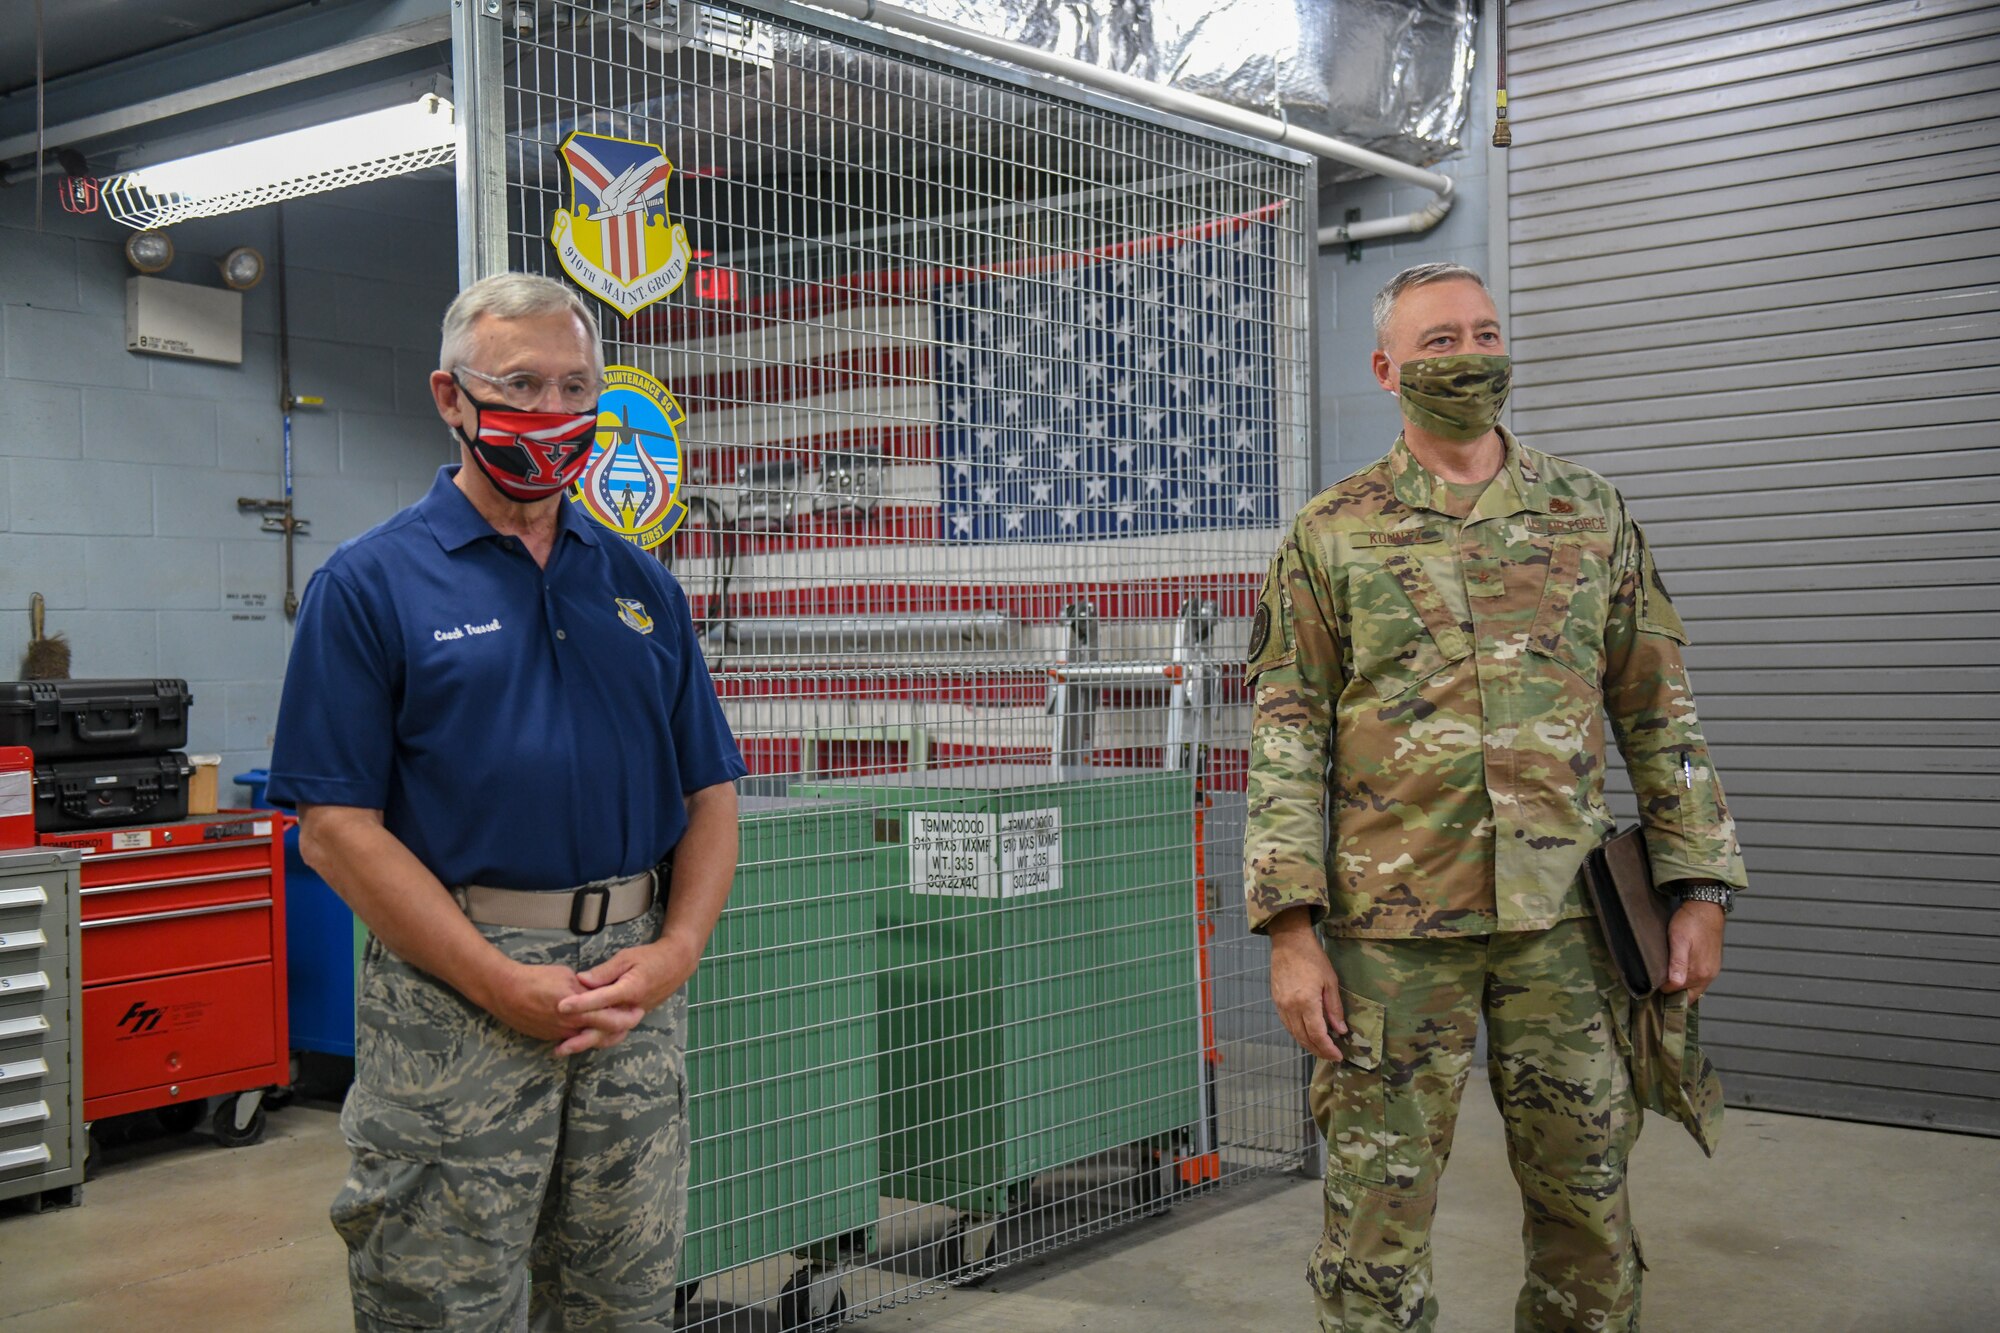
(120, 471)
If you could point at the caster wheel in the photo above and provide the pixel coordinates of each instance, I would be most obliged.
(1002, 1240)
(948, 1255)
(796, 1302)
(953, 1257)
(1154, 1184)
(239, 1120)
(180, 1117)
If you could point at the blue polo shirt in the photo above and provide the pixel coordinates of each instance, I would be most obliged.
(517, 726)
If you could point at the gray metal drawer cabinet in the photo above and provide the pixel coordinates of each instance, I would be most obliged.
(41, 1072)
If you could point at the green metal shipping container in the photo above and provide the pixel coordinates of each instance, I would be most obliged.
(1038, 991)
(782, 1045)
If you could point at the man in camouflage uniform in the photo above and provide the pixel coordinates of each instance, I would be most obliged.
(509, 759)
(1435, 648)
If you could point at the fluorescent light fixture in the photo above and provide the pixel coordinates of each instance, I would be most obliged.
(371, 146)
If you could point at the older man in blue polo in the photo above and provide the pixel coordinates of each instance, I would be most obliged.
(509, 759)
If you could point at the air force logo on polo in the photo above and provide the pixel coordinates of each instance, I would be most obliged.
(633, 612)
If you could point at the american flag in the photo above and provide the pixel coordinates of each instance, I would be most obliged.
(1098, 426)
(1127, 396)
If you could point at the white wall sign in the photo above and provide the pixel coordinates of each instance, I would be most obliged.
(951, 854)
(1031, 852)
(970, 855)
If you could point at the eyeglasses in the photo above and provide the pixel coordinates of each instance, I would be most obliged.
(524, 388)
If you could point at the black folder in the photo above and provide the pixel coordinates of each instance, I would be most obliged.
(1631, 912)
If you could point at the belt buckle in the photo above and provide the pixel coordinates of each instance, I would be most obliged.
(602, 893)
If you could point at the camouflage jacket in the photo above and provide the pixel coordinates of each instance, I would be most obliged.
(1438, 674)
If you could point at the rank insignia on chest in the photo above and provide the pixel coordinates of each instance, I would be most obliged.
(633, 613)
(1558, 505)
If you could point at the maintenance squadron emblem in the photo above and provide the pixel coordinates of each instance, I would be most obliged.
(632, 483)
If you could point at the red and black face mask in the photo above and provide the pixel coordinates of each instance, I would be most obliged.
(528, 455)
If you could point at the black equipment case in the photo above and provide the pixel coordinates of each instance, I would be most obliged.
(93, 793)
(85, 719)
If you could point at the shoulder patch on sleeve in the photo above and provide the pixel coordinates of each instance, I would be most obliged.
(1270, 626)
(1657, 614)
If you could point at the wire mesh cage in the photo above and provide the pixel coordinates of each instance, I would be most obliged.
(975, 403)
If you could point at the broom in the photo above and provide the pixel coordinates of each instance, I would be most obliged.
(47, 657)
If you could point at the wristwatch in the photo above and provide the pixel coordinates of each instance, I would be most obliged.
(1706, 891)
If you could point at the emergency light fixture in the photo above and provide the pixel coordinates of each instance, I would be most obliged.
(149, 251)
(242, 268)
(372, 146)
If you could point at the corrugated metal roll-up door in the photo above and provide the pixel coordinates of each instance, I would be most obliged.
(1753, 253)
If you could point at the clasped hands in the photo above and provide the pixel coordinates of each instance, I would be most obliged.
(591, 1010)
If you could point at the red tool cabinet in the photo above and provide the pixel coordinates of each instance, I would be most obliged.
(184, 966)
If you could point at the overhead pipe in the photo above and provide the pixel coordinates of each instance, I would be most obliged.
(1163, 98)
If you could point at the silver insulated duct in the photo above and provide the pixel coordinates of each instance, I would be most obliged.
(1388, 75)
(1391, 76)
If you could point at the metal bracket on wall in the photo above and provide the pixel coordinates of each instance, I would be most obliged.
(277, 514)
(278, 517)
(1352, 216)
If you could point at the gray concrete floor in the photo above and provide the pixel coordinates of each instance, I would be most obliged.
(1817, 1226)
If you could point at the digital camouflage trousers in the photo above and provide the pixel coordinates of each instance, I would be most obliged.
(1388, 1110)
(478, 1160)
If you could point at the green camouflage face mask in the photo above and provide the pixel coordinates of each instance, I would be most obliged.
(1456, 397)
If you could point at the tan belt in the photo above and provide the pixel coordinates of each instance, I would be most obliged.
(581, 911)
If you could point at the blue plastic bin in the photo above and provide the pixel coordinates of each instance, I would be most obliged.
(319, 947)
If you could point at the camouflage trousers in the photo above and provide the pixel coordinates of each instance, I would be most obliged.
(478, 1159)
(1388, 1111)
